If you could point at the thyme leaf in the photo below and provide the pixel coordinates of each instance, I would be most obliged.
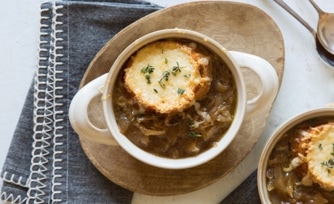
(162, 84)
(180, 91)
(147, 70)
(330, 162)
(148, 78)
(191, 124)
(165, 76)
(193, 134)
(176, 69)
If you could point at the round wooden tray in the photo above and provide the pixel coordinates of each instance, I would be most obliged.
(237, 26)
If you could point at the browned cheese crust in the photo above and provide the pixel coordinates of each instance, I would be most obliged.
(168, 76)
(315, 147)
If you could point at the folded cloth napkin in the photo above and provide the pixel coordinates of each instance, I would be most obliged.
(45, 162)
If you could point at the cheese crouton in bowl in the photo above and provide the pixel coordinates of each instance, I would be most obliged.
(297, 163)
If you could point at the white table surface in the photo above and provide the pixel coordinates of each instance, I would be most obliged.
(307, 83)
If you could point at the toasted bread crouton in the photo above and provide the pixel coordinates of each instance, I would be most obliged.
(320, 155)
(168, 76)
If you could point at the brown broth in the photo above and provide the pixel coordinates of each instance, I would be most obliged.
(181, 139)
(288, 188)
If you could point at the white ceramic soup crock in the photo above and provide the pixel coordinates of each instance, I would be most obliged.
(234, 60)
(276, 136)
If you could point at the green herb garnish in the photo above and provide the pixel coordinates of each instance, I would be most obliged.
(330, 162)
(193, 134)
(180, 91)
(147, 70)
(176, 69)
(162, 84)
(332, 149)
(148, 79)
(164, 77)
(191, 124)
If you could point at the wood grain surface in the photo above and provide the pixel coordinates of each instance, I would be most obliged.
(239, 27)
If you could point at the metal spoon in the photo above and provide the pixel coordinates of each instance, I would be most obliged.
(325, 54)
(325, 28)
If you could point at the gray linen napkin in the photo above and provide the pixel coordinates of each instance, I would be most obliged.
(45, 162)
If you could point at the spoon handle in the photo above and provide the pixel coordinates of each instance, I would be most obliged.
(319, 10)
(294, 14)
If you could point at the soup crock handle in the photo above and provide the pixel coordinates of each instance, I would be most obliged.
(78, 113)
(267, 76)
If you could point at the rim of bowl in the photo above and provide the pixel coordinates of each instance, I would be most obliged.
(163, 162)
(275, 137)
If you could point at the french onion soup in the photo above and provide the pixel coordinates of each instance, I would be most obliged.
(301, 166)
(174, 98)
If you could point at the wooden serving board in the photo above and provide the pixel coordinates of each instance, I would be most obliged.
(237, 26)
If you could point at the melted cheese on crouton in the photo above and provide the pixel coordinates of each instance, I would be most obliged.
(320, 155)
(168, 76)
